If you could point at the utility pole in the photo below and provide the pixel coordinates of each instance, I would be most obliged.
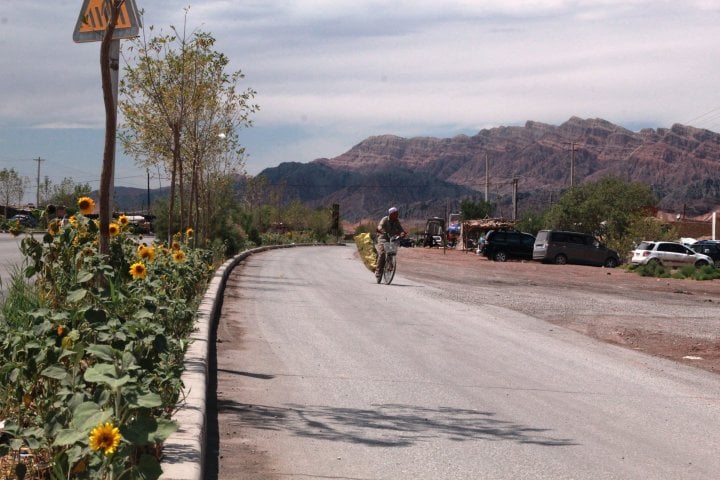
(573, 149)
(487, 178)
(148, 190)
(37, 199)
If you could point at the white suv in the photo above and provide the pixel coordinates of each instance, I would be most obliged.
(669, 254)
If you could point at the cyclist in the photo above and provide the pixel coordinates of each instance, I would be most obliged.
(389, 226)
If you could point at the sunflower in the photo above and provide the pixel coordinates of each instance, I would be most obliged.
(86, 205)
(54, 227)
(114, 229)
(175, 246)
(189, 233)
(146, 253)
(105, 437)
(123, 220)
(179, 256)
(138, 270)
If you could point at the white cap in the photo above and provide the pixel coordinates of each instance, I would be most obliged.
(392, 210)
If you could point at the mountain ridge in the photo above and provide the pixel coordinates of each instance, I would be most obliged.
(426, 175)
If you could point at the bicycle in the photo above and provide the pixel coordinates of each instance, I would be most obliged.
(390, 251)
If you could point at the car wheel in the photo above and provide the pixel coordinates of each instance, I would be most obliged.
(701, 263)
(500, 256)
(560, 259)
(611, 262)
(653, 261)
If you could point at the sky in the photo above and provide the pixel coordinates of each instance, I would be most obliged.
(330, 73)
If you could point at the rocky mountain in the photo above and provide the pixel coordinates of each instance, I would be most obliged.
(424, 176)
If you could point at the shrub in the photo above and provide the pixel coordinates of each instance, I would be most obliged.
(654, 269)
(93, 350)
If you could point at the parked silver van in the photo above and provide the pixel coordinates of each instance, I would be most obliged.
(552, 246)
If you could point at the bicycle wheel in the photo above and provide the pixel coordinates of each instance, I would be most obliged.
(389, 271)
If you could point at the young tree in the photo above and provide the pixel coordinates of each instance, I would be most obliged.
(182, 112)
(12, 187)
(607, 208)
(67, 192)
(471, 210)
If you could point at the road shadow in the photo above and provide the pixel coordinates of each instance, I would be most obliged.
(389, 425)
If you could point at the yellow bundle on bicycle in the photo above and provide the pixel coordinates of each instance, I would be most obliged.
(367, 250)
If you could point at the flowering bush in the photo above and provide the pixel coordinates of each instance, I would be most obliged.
(93, 350)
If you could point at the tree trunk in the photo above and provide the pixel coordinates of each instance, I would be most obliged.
(173, 178)
(110, 129)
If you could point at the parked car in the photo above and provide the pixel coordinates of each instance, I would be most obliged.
(501, 245)
(24, 220)
(560, 247)
(711, 248)
(406, 242)
(669, 254)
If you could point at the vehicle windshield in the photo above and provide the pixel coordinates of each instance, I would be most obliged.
(646, 246)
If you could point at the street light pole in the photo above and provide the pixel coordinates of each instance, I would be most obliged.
(37, 196)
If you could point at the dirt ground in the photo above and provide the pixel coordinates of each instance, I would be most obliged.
(671, 318)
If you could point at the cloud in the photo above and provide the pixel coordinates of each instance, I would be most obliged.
(331, 72)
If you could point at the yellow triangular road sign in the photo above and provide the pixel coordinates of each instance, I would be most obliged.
(94, 17)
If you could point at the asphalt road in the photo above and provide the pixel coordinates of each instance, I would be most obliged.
(322, 373)
(10, 257)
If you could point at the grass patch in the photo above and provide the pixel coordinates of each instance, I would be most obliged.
(707, 272)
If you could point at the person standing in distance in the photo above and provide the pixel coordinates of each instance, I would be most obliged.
(389, 226)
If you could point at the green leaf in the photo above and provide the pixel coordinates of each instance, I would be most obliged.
(76, 295)
(69, 436)
(54, 371)
(148, 468)
(142, 314)
(17, 443)
(30, 271)
(105, 373)
(85, 277)
(103, 352)
(87, 414)
(149, 400)
(147, 430)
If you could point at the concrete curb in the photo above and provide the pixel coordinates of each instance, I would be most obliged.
(184, 451)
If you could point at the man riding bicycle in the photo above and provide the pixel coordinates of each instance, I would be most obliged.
(389, 226)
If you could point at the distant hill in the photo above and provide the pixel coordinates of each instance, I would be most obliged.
(423, 176)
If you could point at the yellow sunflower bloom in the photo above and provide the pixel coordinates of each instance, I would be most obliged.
(54, 227)
(105, 437)
(189, 233)
(175, 246)
(179, 256)
(123, 220)
(86, 205)
(138, 270)
(147, 253)
(114, 229)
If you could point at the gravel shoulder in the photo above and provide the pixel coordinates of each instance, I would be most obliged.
(671, 318)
